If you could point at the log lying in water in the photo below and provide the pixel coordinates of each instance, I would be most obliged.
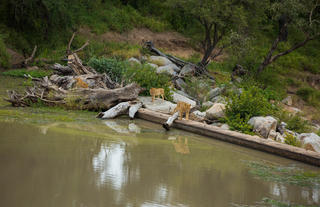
(170, 121)
(120, 109)
(253, 142)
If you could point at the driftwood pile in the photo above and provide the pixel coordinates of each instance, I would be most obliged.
(75, 85)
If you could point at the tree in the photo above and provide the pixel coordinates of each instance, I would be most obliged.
(217, 19)
(293, 15)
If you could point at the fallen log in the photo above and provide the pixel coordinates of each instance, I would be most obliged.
(170, 121)
(115, 111)
(133, 109)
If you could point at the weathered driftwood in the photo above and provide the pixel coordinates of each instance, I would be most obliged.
(61, 69)
(134, 108)
(170, 121)
(115, 111)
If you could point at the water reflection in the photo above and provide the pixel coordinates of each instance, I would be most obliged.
(180, 146)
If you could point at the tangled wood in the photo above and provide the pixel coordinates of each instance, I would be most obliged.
(75, 85)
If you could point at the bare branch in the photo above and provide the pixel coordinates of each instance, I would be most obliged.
(32, 55)
(312, 10)
(82, 47)
(69, 44)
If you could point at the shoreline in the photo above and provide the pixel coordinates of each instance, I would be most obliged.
(254, 142)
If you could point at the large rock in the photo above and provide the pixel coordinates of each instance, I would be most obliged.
(198, 115)
(158, 104)
(159, 60)
(152, 65)
(184, 94)
(282, 127)
(178, 97)
(207, 104)
(263, 125)
(287, 101)
(310, 141)
(187, 69)
(166, 69)
(215, 92)
(133, 61)
(216, 111)
(180, 84)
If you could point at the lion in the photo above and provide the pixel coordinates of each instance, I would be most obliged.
(182, 107)
(80, 83)
(157, 92)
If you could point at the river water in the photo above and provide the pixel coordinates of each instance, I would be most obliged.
(91, 163)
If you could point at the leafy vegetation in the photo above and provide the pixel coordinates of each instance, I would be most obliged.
(4, 56)
(291, 140)
(241, 107)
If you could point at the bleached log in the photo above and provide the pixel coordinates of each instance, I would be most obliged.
(115, 111)
(170, 121)
(133, 109)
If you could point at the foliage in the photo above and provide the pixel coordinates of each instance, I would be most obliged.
(240, 108)
(291, 140)
(284, 174)
(198, 87)
(4, 56)
(310, 95)
(112, 67)
(147, 78)
(34, 73)
(297, 124)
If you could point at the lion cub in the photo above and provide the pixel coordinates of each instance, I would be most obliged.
(157, 92)
(81, 84)
(182, 107)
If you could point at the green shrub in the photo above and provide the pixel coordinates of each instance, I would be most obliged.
(240, 108)
(310, 95)
(291, 140)
(112, 67)
(34, 73)
(297, 124)
(198, 87)
(147, 78)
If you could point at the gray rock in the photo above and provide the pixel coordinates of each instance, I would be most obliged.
(310, 141)
(152, 65)
(133, 60)
(207, 104)
(187, 69)
(287, 101)
(219, 99)
(225, 127)
(178, 97)
(279, 138)
(159, 60)
(216, 111)
(166, 69)
(214, 92)
(180, 84)
(282, 127)
(158, 104)
(200, 115)
(272, 134)
(263, 125)
(184, 94)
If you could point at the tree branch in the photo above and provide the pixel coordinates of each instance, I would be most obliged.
(69, 44)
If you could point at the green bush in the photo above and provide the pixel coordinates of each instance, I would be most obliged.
(198, 87)
(291, 140)
(240, 108)
(310, 95)
(147, 78)
(297, 124)
(112, 67)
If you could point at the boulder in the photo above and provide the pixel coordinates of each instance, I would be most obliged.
(158, 104)
(310, 141)
(152, 65)
(184, 94)
(159, 60)
(287, 101)
(263, 125)
(178, 97)
(198, 115)
(225, 127)
(279, 138)
(216, 111)
(133, 60)
(219, 99)
(207, 104)
(166, 69)
(214, 92)
(187, 69)
(180, 84)
(272, 134)
(282, 127)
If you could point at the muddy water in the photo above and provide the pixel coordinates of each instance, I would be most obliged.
(50, 161)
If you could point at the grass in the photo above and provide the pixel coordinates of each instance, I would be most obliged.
(4, 56)
(21, 72)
